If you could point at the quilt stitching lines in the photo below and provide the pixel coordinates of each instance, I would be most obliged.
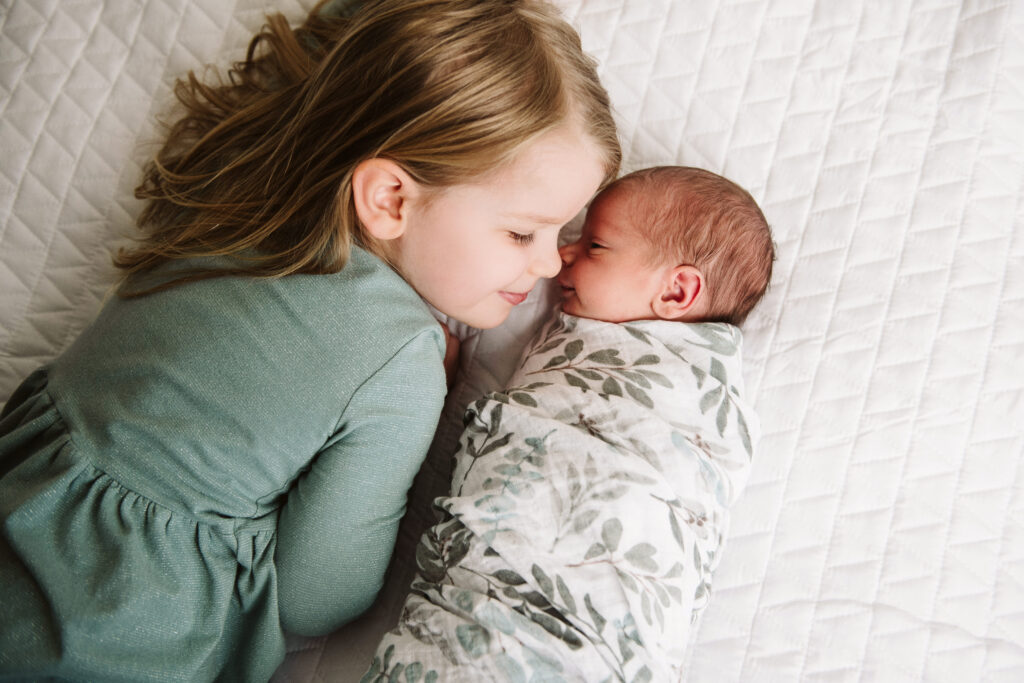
(957, 489)
(604, 69)
(18, 177)
(71, 324)
(644, 98)
(878, 582)
(773, 336)
(787, 283)
(734, 124)
(69, 328)
(700, 69)
(61, 200)
(799, 247)
(24, 51)
(72, 191)
(1001, 553)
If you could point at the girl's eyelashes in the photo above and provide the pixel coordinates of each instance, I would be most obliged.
(520, 237)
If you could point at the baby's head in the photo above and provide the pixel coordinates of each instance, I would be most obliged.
(670, 243)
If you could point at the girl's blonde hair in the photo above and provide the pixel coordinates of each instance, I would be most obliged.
(260, 165)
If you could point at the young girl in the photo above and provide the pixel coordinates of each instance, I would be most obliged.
(225, 452)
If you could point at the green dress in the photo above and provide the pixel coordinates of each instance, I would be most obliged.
(208, 466)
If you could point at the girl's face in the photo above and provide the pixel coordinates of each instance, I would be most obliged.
(474, 251)
(607, 273)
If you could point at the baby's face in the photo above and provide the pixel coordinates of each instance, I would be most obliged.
(607, 274)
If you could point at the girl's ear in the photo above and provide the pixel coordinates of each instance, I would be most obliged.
(683, 295)
(382, 191)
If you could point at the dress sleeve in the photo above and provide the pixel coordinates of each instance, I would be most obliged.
(338, 526)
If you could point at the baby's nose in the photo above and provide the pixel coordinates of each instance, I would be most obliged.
(568, 252)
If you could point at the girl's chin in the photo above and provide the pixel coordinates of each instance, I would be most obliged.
(488, 320)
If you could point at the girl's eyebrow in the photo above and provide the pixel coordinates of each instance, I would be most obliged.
(535, 218)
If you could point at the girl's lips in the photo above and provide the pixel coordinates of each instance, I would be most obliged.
(514, 298)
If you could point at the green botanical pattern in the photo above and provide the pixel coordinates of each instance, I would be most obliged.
(588, 506)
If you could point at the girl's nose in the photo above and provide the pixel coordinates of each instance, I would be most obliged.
(547, 263)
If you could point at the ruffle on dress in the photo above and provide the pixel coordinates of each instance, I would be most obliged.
(102, 583)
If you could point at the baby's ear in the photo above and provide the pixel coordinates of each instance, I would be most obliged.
(381, 190)
(683, 295)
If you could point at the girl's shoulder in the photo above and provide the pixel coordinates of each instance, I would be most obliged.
(366, 295)
(366, 311)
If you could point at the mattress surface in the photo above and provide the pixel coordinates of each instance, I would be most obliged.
(881, 536)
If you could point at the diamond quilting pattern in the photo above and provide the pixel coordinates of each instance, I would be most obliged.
(83, 83)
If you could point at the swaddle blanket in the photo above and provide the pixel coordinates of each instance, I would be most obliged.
(587, 511)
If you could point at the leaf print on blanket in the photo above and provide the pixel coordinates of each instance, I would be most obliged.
(720, 338)
(604, 372)
(585, 489)
(514, 476)
(531, 603)
(724, 395)
(556, 609)
(442, 547)
(637, 564)
(583, 525)
(481, 433)
(638, 570)
(413, 672)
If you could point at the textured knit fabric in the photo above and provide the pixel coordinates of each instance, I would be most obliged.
(210, 465)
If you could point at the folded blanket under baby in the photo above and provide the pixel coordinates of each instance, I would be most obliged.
(587, 511)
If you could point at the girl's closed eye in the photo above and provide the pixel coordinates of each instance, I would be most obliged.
(521, 237)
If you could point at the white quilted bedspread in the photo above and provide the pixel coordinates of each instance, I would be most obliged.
(881, 536)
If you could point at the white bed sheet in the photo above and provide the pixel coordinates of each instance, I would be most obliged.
(881, 536)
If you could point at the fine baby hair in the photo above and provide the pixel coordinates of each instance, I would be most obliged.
(693, 216)
(260, 165)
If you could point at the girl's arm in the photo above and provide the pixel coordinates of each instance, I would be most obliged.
(338, 527)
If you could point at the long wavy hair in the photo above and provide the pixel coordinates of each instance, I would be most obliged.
(259, 164)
